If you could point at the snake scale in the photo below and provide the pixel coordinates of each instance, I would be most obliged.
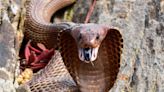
(89, 53)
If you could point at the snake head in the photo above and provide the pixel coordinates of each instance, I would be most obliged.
(88, 38)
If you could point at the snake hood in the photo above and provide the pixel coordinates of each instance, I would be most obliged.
(97, 44)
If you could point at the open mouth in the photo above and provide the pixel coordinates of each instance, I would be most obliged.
(88, 54)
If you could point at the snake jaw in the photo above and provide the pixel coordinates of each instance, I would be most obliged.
(88, 54)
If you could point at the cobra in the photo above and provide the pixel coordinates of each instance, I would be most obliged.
(90, 52)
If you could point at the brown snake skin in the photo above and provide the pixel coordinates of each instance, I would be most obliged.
(98, 75)
(37, 23)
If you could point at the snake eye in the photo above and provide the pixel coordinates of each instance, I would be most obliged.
(97, 37)
(79, 37)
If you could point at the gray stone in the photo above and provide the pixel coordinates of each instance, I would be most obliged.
(7, 57)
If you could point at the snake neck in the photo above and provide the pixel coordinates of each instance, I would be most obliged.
(91, 78)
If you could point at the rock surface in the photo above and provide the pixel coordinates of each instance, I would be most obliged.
(7, 57)
(8, 46)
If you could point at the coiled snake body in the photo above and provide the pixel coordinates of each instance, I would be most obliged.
(90, 52)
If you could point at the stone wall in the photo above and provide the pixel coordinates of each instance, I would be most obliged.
(9, 26)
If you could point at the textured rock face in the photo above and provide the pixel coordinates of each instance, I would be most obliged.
(8, 46)
(141, 23)
(7, 58)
